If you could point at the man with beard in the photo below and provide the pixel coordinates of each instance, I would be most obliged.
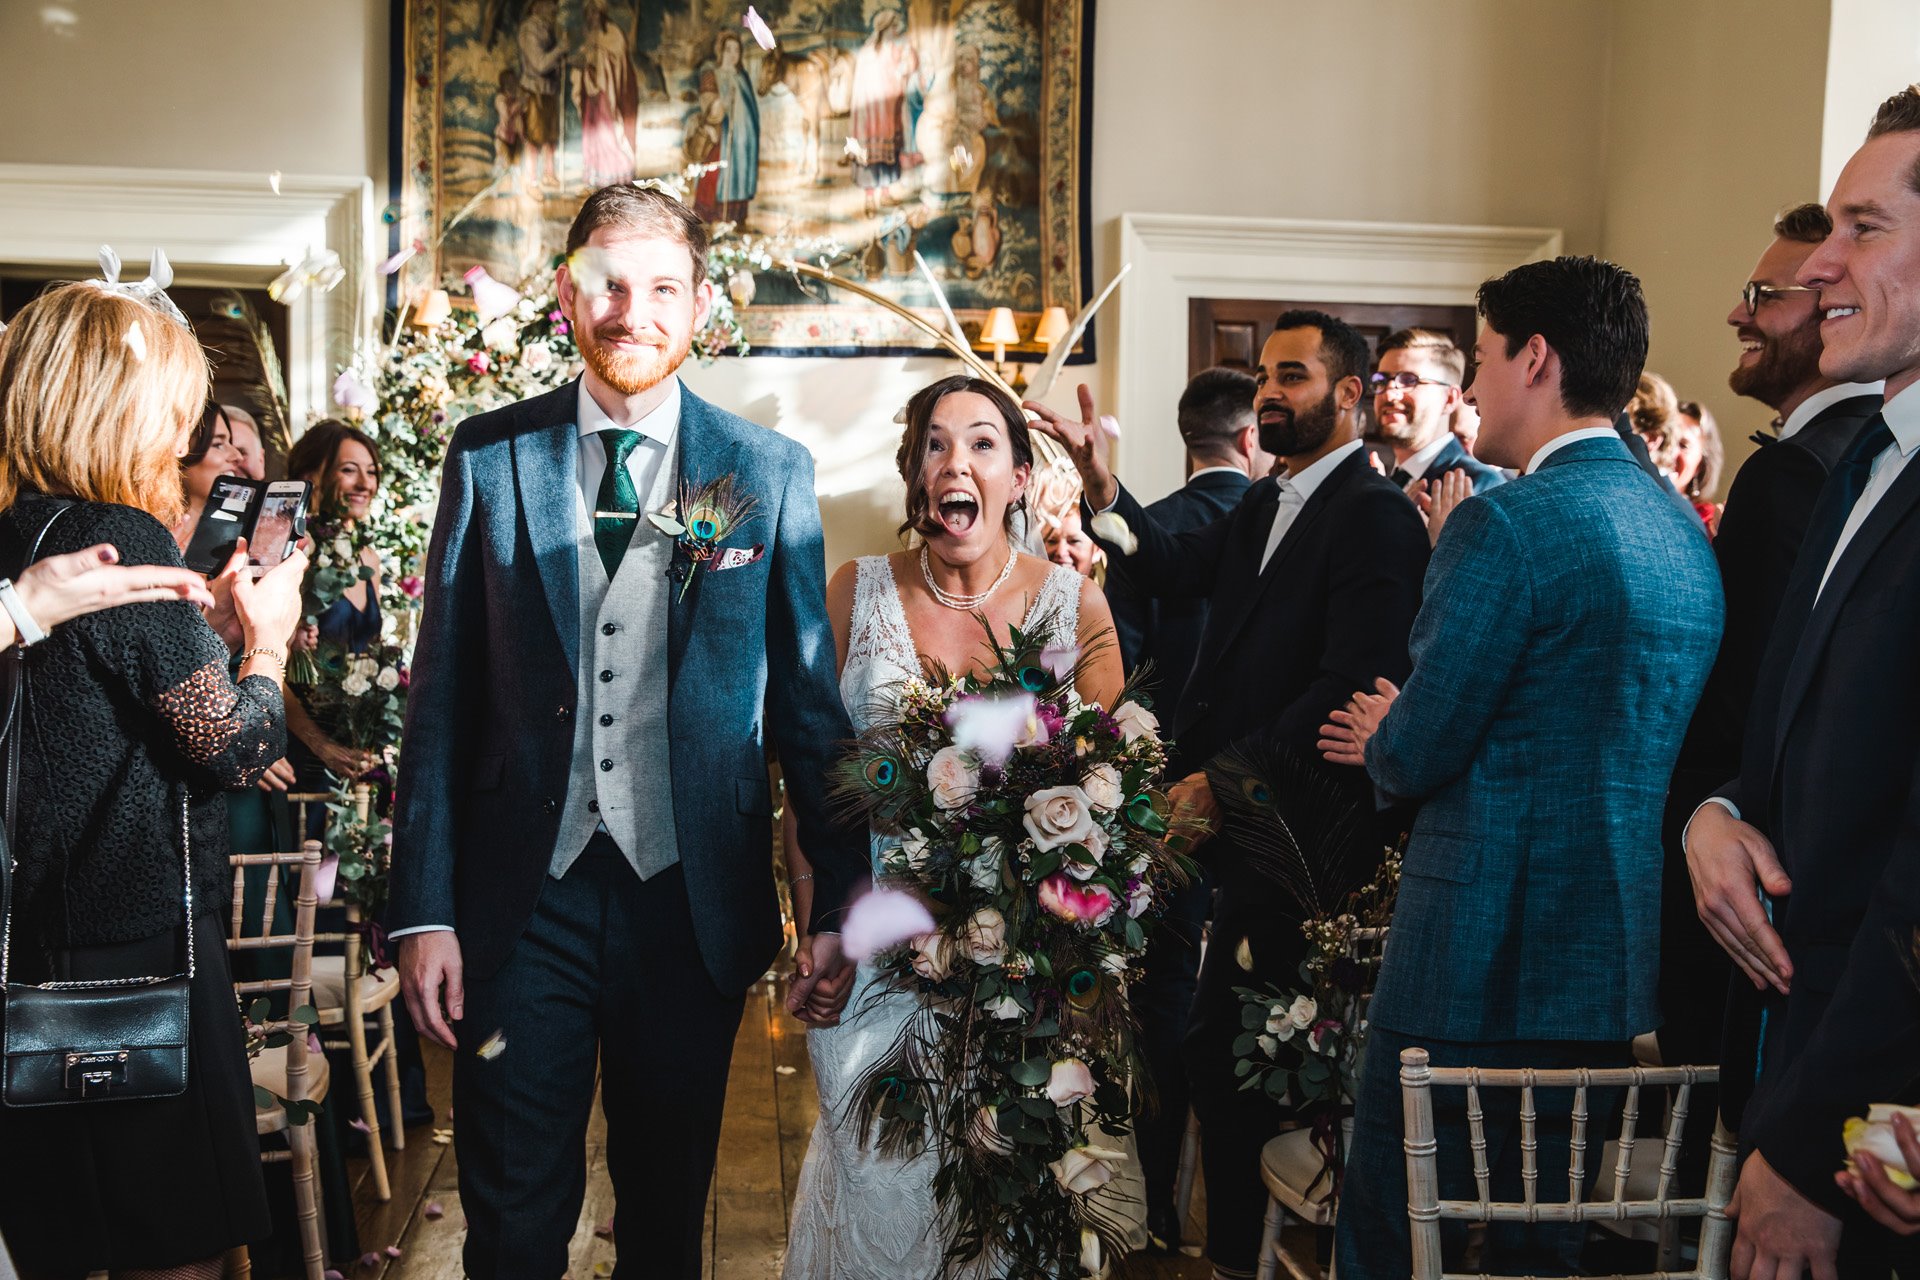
(1571, 617)
(625, 608)
(1311, 581)
(1778, 325)
(1416, 388)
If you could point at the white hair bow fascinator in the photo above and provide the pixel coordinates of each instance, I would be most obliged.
(151, 290)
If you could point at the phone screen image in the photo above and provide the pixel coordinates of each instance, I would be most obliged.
(273, 531)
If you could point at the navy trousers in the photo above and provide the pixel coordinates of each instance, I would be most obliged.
(608, 975)
(1163, 1003)
(1371, 1238)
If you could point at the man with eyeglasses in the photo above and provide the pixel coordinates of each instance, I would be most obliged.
(1768, 507)
(1416, 387)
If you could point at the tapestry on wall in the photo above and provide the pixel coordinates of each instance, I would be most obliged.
(955, 128)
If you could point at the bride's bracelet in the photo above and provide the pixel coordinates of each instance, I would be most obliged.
(808, 875)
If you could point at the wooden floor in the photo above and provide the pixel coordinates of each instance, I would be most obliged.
(771, 1105)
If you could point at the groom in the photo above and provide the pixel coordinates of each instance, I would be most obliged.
(582, 875)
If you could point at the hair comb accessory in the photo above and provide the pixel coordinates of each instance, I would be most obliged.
(151, 291)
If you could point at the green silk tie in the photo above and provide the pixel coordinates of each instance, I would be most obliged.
(612, 532)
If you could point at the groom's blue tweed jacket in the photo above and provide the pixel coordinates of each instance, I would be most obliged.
(1570, 618)
(489, 733)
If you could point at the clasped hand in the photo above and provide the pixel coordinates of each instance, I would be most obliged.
(1344, 738)
(822, 980)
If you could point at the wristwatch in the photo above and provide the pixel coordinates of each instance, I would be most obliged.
(30, 632)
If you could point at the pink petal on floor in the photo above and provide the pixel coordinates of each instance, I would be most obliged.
(393, 1251)
(369, 1259)
(361, 1125)
(434, 1209)
(604, 1230)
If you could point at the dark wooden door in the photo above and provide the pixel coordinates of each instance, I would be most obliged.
(1231, 331)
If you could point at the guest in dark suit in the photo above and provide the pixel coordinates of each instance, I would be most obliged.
(1224, 457)
(1824, 818)
(1570, 620)
(1761, 528)
(1312, 583)
(582, 869)
(1416, 388)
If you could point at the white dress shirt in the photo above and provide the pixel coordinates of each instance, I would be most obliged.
(1903, 419)
(1820, 401)
(1207, 471)
(1295, 490)
(1560, 442)
(643, 464)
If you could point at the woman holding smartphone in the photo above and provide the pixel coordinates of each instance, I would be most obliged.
(132, 717)
(343, 465)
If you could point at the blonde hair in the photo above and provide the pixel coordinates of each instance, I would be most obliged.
(1053, 492)
(96, 389)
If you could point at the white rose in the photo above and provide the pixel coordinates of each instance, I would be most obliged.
(502, 335)
(914, 850)
(1059, 816)
(536, 357)
(932, 956)
(356, 685)
(952, 777)
(1096, 843)
(1006, 1008)
(983, 869)
(364, 666)
(1114, 962)
(985, 1133)
(1069, 1081)
(1084, 1169)
(1102, 785)
(343, 547)
(984, 937)
(1277, 1023)
(1268, 1045)
(1139, 900)
(1136, 721)
(1303, 1012)
(389, 678)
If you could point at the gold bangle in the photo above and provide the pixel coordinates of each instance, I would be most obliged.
(262, 650)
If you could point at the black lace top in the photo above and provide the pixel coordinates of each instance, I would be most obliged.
(131, 708)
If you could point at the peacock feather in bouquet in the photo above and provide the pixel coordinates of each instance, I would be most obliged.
(1032, 828)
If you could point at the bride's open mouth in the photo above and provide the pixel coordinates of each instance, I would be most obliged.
(959, 510)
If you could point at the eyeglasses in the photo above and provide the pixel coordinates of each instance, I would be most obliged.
(1756, 293)
(1406, 381)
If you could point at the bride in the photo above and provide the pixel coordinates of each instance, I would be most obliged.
(966, 458)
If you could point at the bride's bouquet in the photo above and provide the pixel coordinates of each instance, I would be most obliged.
(1030, 846)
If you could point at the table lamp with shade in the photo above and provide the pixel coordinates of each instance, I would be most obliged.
(432, 309)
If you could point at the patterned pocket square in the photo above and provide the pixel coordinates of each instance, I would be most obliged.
(737, 557)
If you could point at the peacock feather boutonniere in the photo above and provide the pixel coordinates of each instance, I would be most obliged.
(699, 521)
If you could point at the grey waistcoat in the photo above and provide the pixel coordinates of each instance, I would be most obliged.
(622, 767)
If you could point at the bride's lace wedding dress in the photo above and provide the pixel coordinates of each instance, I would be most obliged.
(859, 1215)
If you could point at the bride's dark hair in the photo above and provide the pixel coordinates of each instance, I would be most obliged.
(912, 457)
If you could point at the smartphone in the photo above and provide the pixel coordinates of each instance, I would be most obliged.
(279, 523)
(271, 517)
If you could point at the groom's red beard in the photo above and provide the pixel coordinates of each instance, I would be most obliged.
(630, 372)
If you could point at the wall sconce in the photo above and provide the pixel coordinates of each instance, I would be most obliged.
(1052, 327)
(435, 306)
(999, 332)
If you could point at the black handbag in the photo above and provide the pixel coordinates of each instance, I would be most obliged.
(65, 1042)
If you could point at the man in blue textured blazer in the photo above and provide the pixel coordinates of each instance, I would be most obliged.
(1568, 624)
(625, 609)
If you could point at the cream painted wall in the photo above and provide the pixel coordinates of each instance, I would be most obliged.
(1518, 112)
(1873, 48)
(1714, 125)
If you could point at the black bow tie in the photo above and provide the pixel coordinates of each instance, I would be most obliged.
(1762, 439)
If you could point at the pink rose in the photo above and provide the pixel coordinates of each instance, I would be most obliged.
(952, 778)
(1089, 905)
(1069, 1081)
(478, 362)
(932, 956)
(1085, 1168)
(413, 586)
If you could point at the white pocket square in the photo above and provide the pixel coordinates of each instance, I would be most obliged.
(737, 557)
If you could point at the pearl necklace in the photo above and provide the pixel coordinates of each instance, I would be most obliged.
(968, 603)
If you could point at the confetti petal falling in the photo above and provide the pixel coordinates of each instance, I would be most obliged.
(856, 151)
(434, 1209)
(492, 1047)
(136, 341)
(1110, 425)
(400, 259)
(756, 24)
(491, 299)
(273, 180)
(990, 727)
(883, 919)
(1111, 527)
